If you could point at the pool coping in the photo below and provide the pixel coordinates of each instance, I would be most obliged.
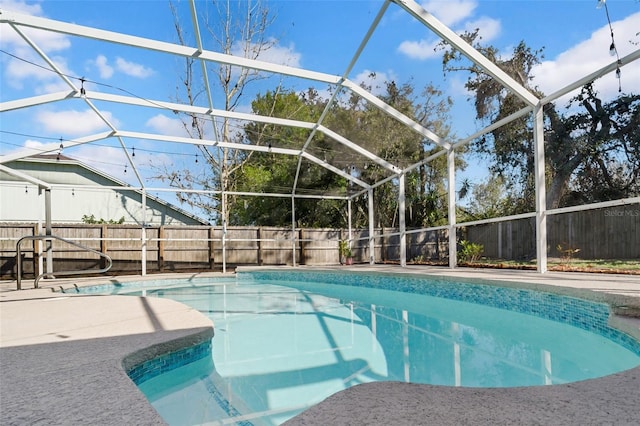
(84, 380)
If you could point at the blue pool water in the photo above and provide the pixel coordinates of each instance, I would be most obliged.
(285, 342)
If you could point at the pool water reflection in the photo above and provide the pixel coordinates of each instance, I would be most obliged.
(279, 349)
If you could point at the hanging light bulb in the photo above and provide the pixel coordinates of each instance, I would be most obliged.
(125, 168)
(612, 49)
(59, 150)
(83, 93)
(618, 73)
(600, 4)
(196, 158)
(133, 151)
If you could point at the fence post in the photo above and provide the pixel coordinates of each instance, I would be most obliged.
(104, 232)
(37, 253)
(302, 244)
(212, 262)
(260, 259)
(161, 248)
(383, 247)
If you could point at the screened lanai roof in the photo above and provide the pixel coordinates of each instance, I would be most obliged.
(88, 94)
(98, 99)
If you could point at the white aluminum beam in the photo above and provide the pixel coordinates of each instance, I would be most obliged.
(241, 116)
(451, 204)
(36, 100)
(372, 241)
(245, 147)
(66, 79)
(467, 50)
(541, 193)
(25, 177)
(633, 56)
(102, 35)
(600, 205)
(192, 109)
(54, 146)
(401, 220)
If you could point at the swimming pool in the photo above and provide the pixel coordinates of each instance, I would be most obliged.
(287, 340)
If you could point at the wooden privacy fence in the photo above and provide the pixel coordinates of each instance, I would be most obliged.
(608, 233)
(168, 248)
(611, 233)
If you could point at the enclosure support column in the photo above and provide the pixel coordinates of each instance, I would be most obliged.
(161, 248)
(143, 257)
(451, 177)
(402, 222)
(349, 220)
(541, 194)
(372, 246)
(293, 231)
(47, 231)
(224, 232)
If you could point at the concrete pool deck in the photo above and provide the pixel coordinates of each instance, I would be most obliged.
(61, 360)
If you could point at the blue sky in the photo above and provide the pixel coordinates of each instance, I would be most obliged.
(318, 35)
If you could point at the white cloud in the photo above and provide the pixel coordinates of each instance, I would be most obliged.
(488, 28)
(72, 122)
(281, 55)
(106, 71)
(450, 12)
(47, 41)
(421, 49)
(591, 55)
(375, 79)
(166, 126)
(132, 69)
(18, 73)
(21, 7)
(275, 54)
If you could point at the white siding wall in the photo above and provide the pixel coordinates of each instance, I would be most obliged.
(20, 202)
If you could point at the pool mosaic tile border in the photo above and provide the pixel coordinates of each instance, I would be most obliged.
(169, 361)
(585, 314)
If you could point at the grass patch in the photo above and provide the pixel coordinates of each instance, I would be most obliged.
(574, 265)
(608, 266)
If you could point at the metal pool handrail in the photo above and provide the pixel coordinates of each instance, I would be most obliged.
(45, 274)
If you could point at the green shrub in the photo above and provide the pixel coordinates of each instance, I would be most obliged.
(469, 252)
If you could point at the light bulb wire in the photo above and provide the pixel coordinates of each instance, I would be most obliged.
(612, 48)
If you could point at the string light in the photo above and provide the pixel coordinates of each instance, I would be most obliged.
(125, 169)
(613, 51)
(196, 158)
(60, 150)
(133, 151)
(83, 93)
